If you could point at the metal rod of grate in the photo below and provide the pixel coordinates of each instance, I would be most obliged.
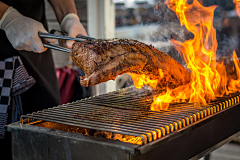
(127, 112)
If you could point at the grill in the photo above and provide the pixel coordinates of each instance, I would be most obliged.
(127, 112)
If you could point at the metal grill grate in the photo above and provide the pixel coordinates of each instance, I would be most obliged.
(127, 112)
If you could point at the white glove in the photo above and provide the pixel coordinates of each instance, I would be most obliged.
(22, 32)
(72, 25)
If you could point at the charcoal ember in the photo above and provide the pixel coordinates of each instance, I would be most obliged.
(117, 136)
(64, 127)
(103, 134)
(126, 138)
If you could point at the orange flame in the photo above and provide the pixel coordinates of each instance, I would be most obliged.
(199, 52)
(209, 78)
(162, 101)
(140, 80)
(237, 3)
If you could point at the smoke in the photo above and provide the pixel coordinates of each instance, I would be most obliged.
(226, 44)
(164, 14)
(168, 28)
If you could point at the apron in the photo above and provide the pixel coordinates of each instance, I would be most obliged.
(45, 93)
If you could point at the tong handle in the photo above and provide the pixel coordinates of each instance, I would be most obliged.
(54, 36)
(85, 37)
(56, 47)
(78, 36)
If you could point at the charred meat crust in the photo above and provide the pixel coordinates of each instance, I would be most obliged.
(104, 60)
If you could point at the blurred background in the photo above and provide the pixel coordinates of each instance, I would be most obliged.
(148, 21)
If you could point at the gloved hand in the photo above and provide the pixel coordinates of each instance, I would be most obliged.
(22, 32)
(72, 25)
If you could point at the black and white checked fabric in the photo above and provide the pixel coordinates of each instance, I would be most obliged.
(6, 75)
(21, 83)
(14, 80)
(21, 80)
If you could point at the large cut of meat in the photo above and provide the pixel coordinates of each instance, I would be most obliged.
(105, 60)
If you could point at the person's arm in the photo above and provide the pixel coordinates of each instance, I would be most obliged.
(3, 9)
(62, 8)
(66, 13)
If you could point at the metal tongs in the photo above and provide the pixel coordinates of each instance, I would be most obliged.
(52, 35)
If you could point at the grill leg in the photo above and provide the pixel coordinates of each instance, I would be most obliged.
(207, 157)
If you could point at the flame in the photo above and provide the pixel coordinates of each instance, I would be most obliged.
(140, 80)
(128, 139)
(237, 3)
(199, 52)
(222, 88)
(209, 78)
(161, 102)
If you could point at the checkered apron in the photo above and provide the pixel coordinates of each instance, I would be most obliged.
(14, 80)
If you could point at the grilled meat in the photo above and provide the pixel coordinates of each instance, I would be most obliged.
(105, 60)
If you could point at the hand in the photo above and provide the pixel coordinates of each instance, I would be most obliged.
(72, 25)
(22, 32)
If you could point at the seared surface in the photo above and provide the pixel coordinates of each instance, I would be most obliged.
(105, 60)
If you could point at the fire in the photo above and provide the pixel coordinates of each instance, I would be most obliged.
(128, 139)
(140, 80)
(162, 101)
(199, 52)
(237, 3)
(209, 78)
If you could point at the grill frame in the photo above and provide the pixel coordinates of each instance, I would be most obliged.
(193, 141)
(194, 147)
